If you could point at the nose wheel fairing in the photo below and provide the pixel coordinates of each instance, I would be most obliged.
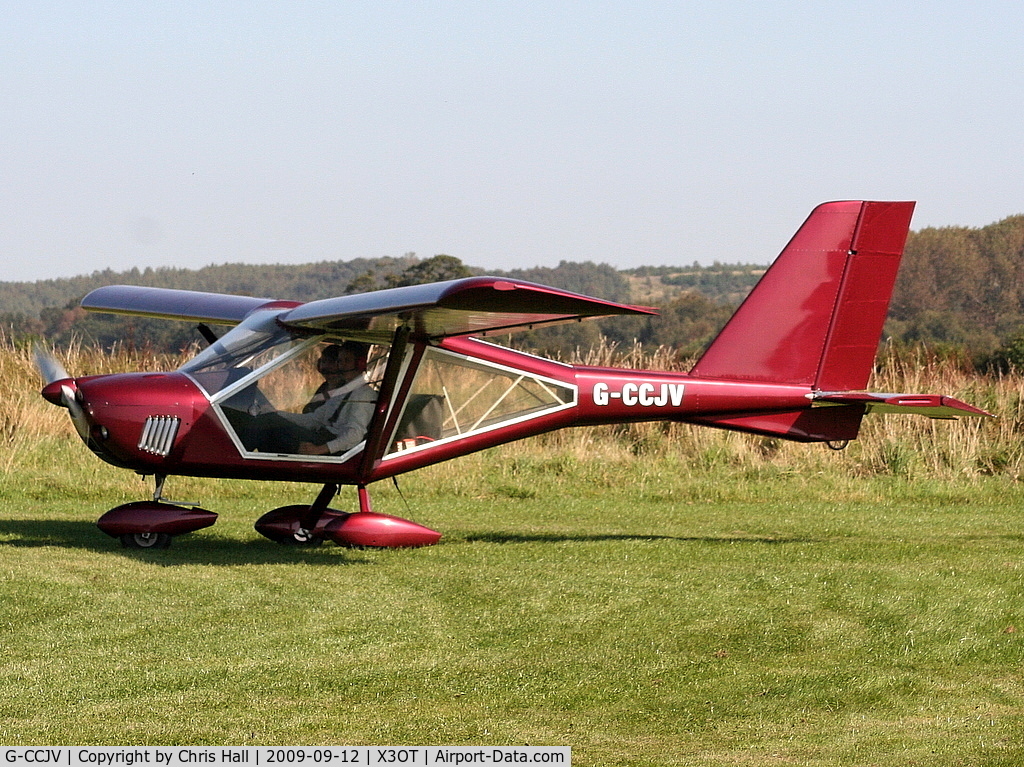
(152, 524)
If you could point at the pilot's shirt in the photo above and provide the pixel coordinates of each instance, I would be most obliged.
(343, 413)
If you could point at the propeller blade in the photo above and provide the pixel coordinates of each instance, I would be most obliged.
(49, 368)
(77, 412)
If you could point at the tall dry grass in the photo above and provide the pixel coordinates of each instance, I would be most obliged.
(909, 446)
(26, 419)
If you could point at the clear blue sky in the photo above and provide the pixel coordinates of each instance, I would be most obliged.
(509, 134)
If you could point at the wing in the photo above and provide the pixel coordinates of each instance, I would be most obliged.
(470, 306)
(169, 304)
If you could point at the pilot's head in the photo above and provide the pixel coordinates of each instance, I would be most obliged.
(343, 362)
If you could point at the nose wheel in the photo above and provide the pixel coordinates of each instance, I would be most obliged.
(152, 524)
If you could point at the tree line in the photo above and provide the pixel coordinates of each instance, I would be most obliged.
(50, 309)
(960, 290)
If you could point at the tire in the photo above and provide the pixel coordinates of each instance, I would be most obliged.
(146, 540)
(302, 539)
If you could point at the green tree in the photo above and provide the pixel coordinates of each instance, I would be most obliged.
(687, 323)
(436, 269)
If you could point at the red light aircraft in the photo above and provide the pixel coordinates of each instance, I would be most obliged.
(791, 363)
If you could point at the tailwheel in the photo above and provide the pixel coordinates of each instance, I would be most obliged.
(145, 540)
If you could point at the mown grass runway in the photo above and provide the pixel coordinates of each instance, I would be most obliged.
(640, 611)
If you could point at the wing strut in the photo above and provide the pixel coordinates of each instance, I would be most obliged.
(378, 432)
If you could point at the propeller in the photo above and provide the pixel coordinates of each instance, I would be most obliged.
(54, 373)
(49, 367)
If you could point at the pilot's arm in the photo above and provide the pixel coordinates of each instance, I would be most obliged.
(346, 420)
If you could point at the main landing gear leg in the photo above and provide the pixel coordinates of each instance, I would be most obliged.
(304, 534)
(301, 525)
(364, 499)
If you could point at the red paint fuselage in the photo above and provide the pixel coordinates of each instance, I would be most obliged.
(119, 408)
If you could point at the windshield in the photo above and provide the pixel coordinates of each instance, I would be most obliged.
(245, 348)
(286, 396)
(315, 400)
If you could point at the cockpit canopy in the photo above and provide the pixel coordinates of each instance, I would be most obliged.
(261, 376)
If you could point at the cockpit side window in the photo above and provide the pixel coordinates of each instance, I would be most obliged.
(313, 399)
(454, 396)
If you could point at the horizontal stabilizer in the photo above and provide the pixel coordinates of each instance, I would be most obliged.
(931, 405)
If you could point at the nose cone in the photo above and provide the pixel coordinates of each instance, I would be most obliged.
(54, 391)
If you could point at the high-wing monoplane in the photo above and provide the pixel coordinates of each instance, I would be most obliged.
(414, 371)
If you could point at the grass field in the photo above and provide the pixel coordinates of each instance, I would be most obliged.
(648, 597)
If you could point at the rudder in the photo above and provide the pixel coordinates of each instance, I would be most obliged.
(816, 315)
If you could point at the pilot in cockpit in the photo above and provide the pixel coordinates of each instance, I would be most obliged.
(336, 417)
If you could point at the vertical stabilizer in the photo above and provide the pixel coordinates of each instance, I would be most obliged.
(816, 316)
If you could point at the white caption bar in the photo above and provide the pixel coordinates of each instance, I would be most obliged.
(253, 756)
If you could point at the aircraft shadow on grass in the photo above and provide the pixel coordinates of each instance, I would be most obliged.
(503, 538)
(34, 533)
(84, 536)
